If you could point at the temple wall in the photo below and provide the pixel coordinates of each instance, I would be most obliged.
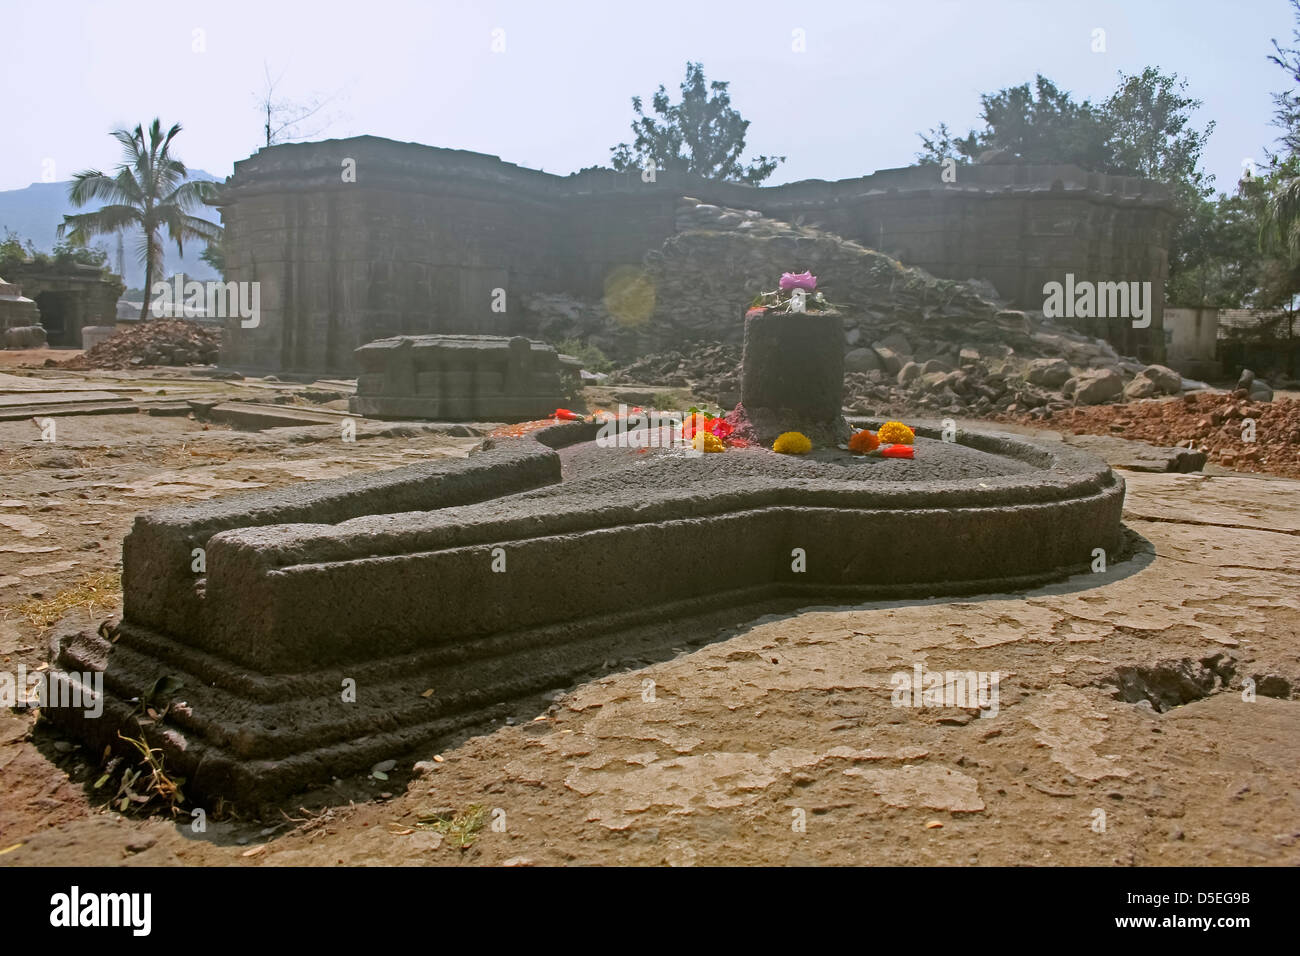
(422, 237)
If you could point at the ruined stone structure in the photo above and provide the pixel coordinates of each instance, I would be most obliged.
(469, 377)
(365, 238)
(70, 299)
(20, 320)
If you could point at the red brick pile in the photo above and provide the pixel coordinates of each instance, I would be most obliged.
(1216, 422)
(153, 342)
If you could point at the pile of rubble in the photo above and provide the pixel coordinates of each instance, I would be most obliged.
(964, 344)
(153, 342)
(711, 372)
(697, 285)
(889, 378)
(1233, 429)
(706, 275)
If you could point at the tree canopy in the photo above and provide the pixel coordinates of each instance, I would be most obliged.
(702, 134)
(1144, 128)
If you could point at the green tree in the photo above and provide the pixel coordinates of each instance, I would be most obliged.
(1149, 132)
(1042, 125)
(1286, 104)
(1220, 262)
(702, 134)
(1279, 217)
(68, 254)
(149, 192)
(1038, 125)
(17, 253)
(1144, 128)
(214, 255)
(14, 251)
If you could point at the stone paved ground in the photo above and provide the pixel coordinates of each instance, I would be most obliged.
(789, 721)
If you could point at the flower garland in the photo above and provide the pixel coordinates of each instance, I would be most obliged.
(795, 292)
(710, 433)
(697, 419)
(891, 440)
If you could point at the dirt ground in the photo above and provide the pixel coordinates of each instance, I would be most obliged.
(1125, 731)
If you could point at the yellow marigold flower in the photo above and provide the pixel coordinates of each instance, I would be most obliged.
(895, 433)
(863, 442)
(706, 441)
(792, 443)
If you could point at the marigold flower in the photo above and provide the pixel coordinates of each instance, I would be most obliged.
(897, 451)
(720, 427)
(697, 421)
(863, 442)
(792, 443)
(895, 433)
(704, 441)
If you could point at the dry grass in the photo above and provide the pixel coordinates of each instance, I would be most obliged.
(183, 454)
(98, 591)
(25, 459)
(135, 789)
(461, 828)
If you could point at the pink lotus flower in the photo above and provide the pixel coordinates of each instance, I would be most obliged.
(802, 280)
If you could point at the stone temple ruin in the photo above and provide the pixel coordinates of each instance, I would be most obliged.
(443, 590)
(20, 320)
(428, 241)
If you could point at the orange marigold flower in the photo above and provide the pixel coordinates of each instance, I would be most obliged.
(896, 433)
(705, 441)
(792, 443)
(863, 442)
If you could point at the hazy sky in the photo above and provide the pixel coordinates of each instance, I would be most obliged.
(872, 76)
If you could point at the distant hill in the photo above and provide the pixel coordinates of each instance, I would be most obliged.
(36, 211)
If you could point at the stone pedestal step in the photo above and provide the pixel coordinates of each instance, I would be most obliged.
(258, 415)
(13, 413)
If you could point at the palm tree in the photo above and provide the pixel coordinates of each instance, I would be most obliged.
(149, 191)
(1276, 200)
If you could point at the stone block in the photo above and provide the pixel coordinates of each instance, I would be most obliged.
(1048, 372)
(25, 337)
(862, 360)
(458, 377)
(1097, 386)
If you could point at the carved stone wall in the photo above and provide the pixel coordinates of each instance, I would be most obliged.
(470, 377)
